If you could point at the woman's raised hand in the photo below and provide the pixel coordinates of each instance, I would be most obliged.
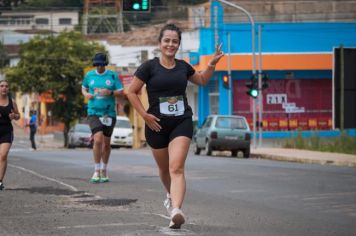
(217, 56)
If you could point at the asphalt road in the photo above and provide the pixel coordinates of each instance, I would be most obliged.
(48, 193)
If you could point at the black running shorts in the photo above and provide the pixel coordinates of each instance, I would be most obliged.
(171, 128)
(7, 137)
(96, 126)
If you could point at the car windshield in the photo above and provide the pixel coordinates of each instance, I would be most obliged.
(123, 124)
(230, 123)
(82, 128)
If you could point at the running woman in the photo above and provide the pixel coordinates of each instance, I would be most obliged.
(8, 112)
(169, 126)
(100, 87)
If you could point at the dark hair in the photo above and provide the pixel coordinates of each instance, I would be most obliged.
(172, 27)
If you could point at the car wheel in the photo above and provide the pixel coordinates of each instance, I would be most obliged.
(208, 149)
(70, 145)
(196, 149)
(233, 153)
(247, 153)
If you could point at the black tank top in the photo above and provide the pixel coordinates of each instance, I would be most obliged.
(5, 122)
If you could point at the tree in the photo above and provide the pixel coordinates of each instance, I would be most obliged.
(55, 65)
(4, 59)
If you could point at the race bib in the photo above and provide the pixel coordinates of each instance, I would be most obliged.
(171, 106)
(107, 121)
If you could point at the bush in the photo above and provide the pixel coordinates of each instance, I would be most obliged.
(342, 144)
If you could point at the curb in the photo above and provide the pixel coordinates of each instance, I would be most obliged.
(302, 160)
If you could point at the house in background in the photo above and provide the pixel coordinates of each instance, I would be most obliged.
(53, 21)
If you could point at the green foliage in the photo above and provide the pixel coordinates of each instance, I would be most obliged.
(4, 59)
(342, 144)
(51, 3)
(7, 4)
(56, 65)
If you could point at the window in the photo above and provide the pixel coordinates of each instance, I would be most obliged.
(207, 122)
(65, 21)
(42, 21)
(123, 124)
(230, 123)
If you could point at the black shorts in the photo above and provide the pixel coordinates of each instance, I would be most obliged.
(96, 126)
(171, 128)
(7, 137)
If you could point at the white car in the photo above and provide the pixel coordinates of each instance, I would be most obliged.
(122, 134)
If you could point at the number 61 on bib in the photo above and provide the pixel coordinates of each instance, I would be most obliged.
(171, 106)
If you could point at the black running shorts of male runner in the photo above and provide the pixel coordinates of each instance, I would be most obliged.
(7, 137)
(96, 126)
(171, 128)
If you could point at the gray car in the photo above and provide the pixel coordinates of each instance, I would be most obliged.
(79, 136)
(221, 133)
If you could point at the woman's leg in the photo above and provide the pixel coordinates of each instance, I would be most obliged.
(4, 150)
(162, 160)
(178, 150)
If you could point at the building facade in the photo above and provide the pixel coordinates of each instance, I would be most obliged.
(54, 21)
(297, 57)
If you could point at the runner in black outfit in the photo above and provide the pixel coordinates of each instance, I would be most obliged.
(169, 126)
(8, 112)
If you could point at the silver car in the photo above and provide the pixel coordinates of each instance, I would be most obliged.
(222, 132)
(79, 136)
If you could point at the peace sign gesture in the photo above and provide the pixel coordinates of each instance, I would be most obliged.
(218, 54)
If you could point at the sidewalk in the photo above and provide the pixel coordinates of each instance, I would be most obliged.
(304, 156)
(43, 141)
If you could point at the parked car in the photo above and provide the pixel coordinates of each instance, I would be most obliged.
(222, 132)
(122, 134)
(79, 136)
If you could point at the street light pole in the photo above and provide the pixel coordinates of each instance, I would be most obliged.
(229, 72)
(260, 94)
(253, 58)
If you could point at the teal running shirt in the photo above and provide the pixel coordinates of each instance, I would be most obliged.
(101, 105)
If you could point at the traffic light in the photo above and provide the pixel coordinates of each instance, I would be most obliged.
(252, 86)
(265, 81)
(136, 5)
(226, 82)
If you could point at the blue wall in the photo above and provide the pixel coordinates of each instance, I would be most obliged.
(276, 38)
(282, 37)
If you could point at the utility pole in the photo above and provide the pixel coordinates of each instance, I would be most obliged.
(229, 71)
(252, 22)
(260, 94)
(342, 87)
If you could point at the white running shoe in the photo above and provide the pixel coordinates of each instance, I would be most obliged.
(168, 204)
(177, 219)
(95, 178)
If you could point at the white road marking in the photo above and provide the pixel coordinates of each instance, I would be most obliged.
(99, 225)
(45, 177)
(164, 230)
(160, 215)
